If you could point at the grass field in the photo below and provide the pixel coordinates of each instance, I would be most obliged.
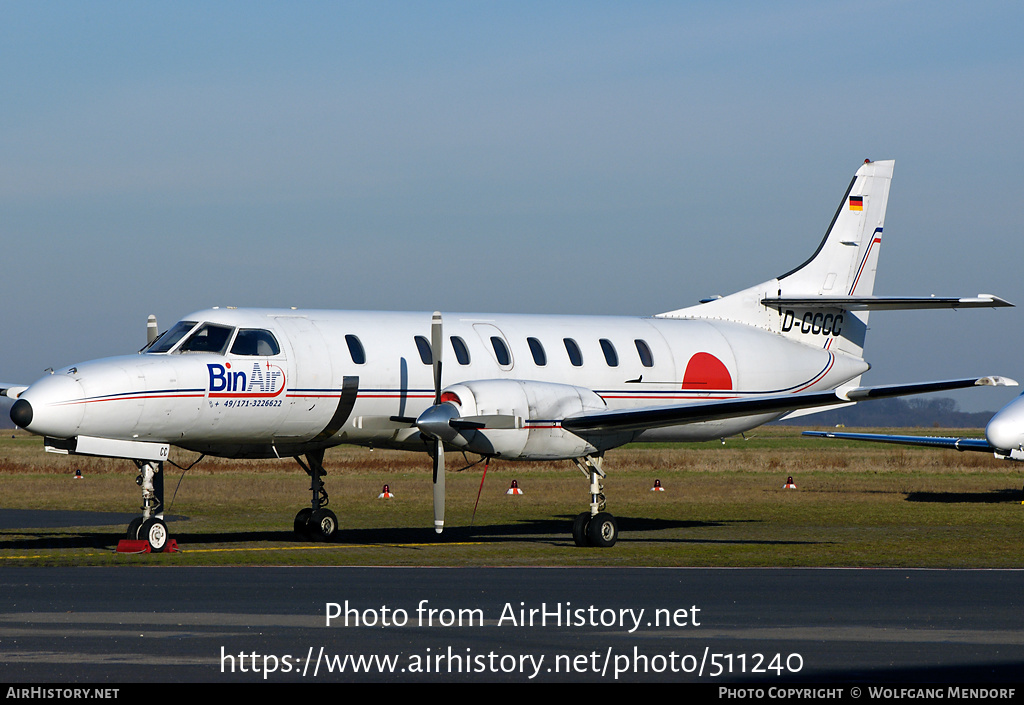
(856, 504)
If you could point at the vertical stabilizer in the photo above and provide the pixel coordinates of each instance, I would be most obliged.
(845, 262)
(843, 265)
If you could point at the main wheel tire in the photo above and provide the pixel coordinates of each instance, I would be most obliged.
(302, 521)
(132, 534)
(603, 530)
(323, 524)
(154, 531)
(579, 529)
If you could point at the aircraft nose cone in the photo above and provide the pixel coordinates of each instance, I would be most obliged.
(50, 407)
(21, 413)
(1006, 429)
(1003, 433)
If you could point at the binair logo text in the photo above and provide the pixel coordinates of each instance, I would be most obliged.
(264, 380)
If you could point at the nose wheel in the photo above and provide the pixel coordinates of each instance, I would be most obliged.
(150, 526)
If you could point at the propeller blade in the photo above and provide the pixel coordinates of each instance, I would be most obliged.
(436, 348)
(438, 486)
(152, 331)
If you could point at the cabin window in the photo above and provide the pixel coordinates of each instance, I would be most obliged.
(575, 356)
(501, 353)
(355, 349)
(254, 341)
(610, 356)
(461, 351)
(537, 349)
(208, 338)
(168, 339)
(424, 347)
(644, 351)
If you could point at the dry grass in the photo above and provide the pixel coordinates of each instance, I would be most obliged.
(855, 504)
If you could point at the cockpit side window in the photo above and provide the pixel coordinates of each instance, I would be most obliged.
(208, 338)
(255, 341)
(170, 338)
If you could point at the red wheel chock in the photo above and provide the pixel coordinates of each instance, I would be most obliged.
(130, 546)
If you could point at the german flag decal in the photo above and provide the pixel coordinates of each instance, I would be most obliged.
(856, 203)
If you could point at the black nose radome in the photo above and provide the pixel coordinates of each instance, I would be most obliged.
(21, 413)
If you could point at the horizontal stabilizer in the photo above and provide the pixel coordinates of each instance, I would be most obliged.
(695, 412)
(886, 303)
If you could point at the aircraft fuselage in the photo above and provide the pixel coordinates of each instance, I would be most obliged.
(352, 377)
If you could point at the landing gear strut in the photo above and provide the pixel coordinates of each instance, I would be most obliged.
(596, 527)
(316, 521)
(150, 526)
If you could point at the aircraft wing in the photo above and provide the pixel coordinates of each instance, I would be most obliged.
(12, 390)
(884, 303)
(644, 418)
(978, 444)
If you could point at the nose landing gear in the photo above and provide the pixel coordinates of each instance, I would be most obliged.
(150, 527)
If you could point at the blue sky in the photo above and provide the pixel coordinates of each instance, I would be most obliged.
(588, 157)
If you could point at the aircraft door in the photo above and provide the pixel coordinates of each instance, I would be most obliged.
(498, 349)
(311, 395)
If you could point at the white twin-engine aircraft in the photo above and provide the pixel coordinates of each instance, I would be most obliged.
(290, 383)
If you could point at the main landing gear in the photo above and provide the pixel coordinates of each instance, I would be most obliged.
(150, 526)
(596, 527)
(316, 521)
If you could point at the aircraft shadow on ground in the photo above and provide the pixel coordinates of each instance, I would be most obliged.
(543, 530)
(989, 497)
(555, 530)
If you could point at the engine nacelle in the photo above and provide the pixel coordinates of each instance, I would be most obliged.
(520, 419)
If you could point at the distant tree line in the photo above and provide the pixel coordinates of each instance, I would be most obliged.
(899, 413)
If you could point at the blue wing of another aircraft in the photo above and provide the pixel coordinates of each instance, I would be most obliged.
(978, 444)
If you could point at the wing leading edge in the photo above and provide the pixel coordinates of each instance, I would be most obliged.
(661, 416)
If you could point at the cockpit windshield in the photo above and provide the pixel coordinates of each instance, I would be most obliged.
(208, 338)
(214, 338)
(168, 339)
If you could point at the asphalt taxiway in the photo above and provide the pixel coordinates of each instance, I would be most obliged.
(334, 624)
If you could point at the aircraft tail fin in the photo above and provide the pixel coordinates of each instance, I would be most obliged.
(846, 259)
(843, 267)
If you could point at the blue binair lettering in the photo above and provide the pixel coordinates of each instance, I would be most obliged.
(223, 380)
(218, 379)
(260, 381)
